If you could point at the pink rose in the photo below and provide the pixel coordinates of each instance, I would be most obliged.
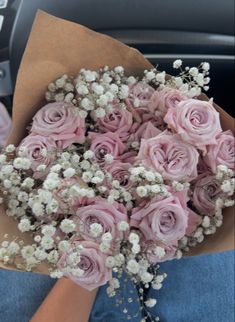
(5, 124)
(118, 121)
(92, 262)
(106, 143)
(120, 172)
(149, 247)
(223, 152)
(169, 98)
(197, 122)
(41, 151)
(59, 121)
(163, 220)
(101, 212)
(167, 154)
(145, 131)
(139, 95)
(206, 191)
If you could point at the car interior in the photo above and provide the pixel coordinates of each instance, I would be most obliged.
(194, 31)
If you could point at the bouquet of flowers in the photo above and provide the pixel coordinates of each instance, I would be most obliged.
(116, 174)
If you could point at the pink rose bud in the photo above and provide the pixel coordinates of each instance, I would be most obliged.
(106, 143)
(118, 121)
(197, 122)
(164, 99)
(92, 262)
(139, 95)
(169, 155)
(149, 247)
(206, 191)
(120, 172)
(59, 121)
(223, 152)
(40, 150)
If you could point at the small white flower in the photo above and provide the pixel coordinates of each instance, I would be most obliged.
(227, 186)
(131, 80)
(82, 114)
(159, 252)
(28, 183)
(87, 176)
(88, 154)
(135, 248)
(21, 163)
(27, 252)
(47, 242)
(48, 230)
(110, 262)
(104, 247)
(37, 238)
(150, 302)
(67, 226)
(55, 168)
(132, 266)
(178, 81)
(82, 89)
(206, 66)
(200, 79)
(68, 173)
(87, 104)
(100, 112)
(40, 254)
(53, 257)
(119, 69)
(193, 71)
(177, 63)
(114, 283)
(10, 148)
(123, 226)
(155, 188)
(98, 89)
(90, 76)
(41, 168)
(24, 225)
(102, 100)
(146, 277)
(141, 191)
(114, 88)
(123, 91)
(107, 237)
(50, 184)
(85, 165)
(7, 169)
(96, 230)
(150, 75)
(7, 184)
(133, 238)
(149, 175)
(160, 77)
(108, 158)
(56, 274)
(2, 158)
(64, 246)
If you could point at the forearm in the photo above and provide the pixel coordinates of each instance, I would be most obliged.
(67, 302)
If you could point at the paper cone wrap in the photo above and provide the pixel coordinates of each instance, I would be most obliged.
(56, 47)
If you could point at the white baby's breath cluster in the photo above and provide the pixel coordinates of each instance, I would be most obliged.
(190, 81)
(46, 207)
(92, 92)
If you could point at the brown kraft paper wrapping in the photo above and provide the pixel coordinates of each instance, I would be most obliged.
(56, 47)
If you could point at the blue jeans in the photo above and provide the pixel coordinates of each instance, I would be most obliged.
(197, 289)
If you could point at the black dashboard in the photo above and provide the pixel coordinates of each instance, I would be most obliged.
(162, 30)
